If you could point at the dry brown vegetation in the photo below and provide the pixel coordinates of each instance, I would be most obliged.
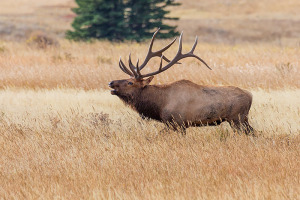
(63, 136)
(82, 142)
(87, 144)
(92, 66)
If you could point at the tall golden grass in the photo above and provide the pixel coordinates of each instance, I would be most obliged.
(92, 66)
(71, 144)
(64, 136)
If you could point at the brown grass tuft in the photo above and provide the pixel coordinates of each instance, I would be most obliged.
(41, 40)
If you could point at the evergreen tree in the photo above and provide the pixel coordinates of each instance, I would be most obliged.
(145, 16)
(121, 19)
(98, 19)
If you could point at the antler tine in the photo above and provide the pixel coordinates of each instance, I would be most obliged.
(158, 53)
(194, 46)
(166, 47)
(138, 69)
(201, 61)
(178, 57)
(160, 65)
(132, 67)
(124, 68)
(152, 40)
(193, 55)
(179, 52)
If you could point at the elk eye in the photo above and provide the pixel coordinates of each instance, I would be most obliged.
(130, 83)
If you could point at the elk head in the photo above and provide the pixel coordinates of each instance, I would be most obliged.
(128, 87)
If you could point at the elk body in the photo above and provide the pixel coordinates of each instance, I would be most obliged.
(182, 103)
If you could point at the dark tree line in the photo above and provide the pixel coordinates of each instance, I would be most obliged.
(119, 20)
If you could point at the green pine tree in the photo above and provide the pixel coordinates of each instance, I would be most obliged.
(145, 16)
(121, 19)
(98, 19)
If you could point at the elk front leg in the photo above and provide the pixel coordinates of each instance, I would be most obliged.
(176, 127)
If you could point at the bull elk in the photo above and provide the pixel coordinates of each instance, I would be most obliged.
(183, 103)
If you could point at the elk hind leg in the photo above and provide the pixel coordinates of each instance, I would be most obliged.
(248, 128)
(242, 125)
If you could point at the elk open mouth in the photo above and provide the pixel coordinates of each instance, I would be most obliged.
(113, 92)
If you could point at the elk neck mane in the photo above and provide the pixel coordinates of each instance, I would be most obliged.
(147, 101)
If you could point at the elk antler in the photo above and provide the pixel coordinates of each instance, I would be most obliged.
(135, 71)
(150, 55)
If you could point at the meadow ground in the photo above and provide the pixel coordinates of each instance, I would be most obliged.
(64, 136)
(214, 21)
(68, 143)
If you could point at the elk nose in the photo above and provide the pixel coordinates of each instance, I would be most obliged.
(111, 84)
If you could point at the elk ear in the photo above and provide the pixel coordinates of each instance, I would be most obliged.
(148, 80)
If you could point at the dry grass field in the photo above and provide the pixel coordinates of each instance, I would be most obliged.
(93, 65)
(71, 144)
(63, 136)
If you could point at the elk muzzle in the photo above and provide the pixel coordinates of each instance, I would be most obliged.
(112, 85)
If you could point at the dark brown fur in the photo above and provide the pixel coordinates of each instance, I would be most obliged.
(184, 103)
